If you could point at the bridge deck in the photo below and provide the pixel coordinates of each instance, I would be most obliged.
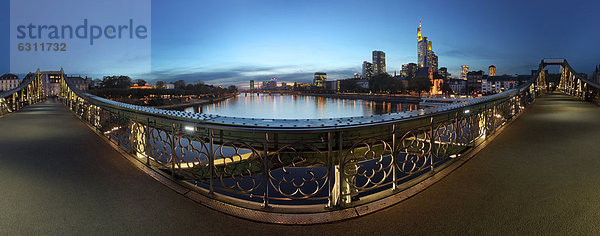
(541, 175)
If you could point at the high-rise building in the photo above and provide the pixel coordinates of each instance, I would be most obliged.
(492, 70)
(434, 62)
(464, 69)
(443, 71)
(320, 78)
(421, 47)
(425, 55)
(409, 70)
(378, 62)
(367, 69)
(270, 84)
(251, 84)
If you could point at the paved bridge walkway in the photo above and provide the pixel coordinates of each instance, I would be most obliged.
(541, 175)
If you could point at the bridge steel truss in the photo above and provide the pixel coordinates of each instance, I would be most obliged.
(30, 91)
(257, 170)
(575, 84)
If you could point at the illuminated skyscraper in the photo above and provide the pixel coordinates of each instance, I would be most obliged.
(378, 62)
(270, 84)
(251, 84)
(320, 78)
(443, 71)
(367, 69)
(434, 62)
(492, 70)
(425, 55)
(421, 47)
(409, 70)
(464, 69)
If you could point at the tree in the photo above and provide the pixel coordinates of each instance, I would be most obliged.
(96, 83)
(160, 84)
(349, 85)
(446, 89)
(383, 83)
(232, 88)
(121, 81)
(420, 84)
(140, 82)
(179, 84)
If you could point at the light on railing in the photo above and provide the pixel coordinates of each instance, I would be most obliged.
(189, 128)
(112, 130)
(498, 116)
(467, 111)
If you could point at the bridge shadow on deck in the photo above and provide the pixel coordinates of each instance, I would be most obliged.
(541, 175)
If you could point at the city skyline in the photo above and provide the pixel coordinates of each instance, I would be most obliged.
(234, 42)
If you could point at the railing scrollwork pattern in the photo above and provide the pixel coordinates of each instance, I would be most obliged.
(329, 168)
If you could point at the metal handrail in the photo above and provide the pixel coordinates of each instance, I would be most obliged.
(29, 91)
(384, 119)
(26, 81)
(303, 169)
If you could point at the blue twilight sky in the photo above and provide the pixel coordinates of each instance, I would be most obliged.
(230, 42)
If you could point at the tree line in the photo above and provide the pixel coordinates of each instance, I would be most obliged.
(120, 86)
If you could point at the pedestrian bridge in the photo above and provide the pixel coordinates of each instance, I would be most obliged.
(538, 170)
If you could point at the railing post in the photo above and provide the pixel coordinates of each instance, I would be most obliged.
(266, 170)
(515, 109)
(484, 117)
(132, 138)
(147, 146)
(109, 128)
(330, 170)
(493, 118)
(119, 120)
(173, 154)
(340, 170)
(456, 131)
(393, 161)
(211, 160)
(431, 142)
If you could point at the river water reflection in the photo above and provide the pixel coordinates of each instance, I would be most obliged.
(287, 106)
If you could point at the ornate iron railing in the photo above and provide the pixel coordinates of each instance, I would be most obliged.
(29, 91)
(299, 165)
(315, 165)
(575, 84)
